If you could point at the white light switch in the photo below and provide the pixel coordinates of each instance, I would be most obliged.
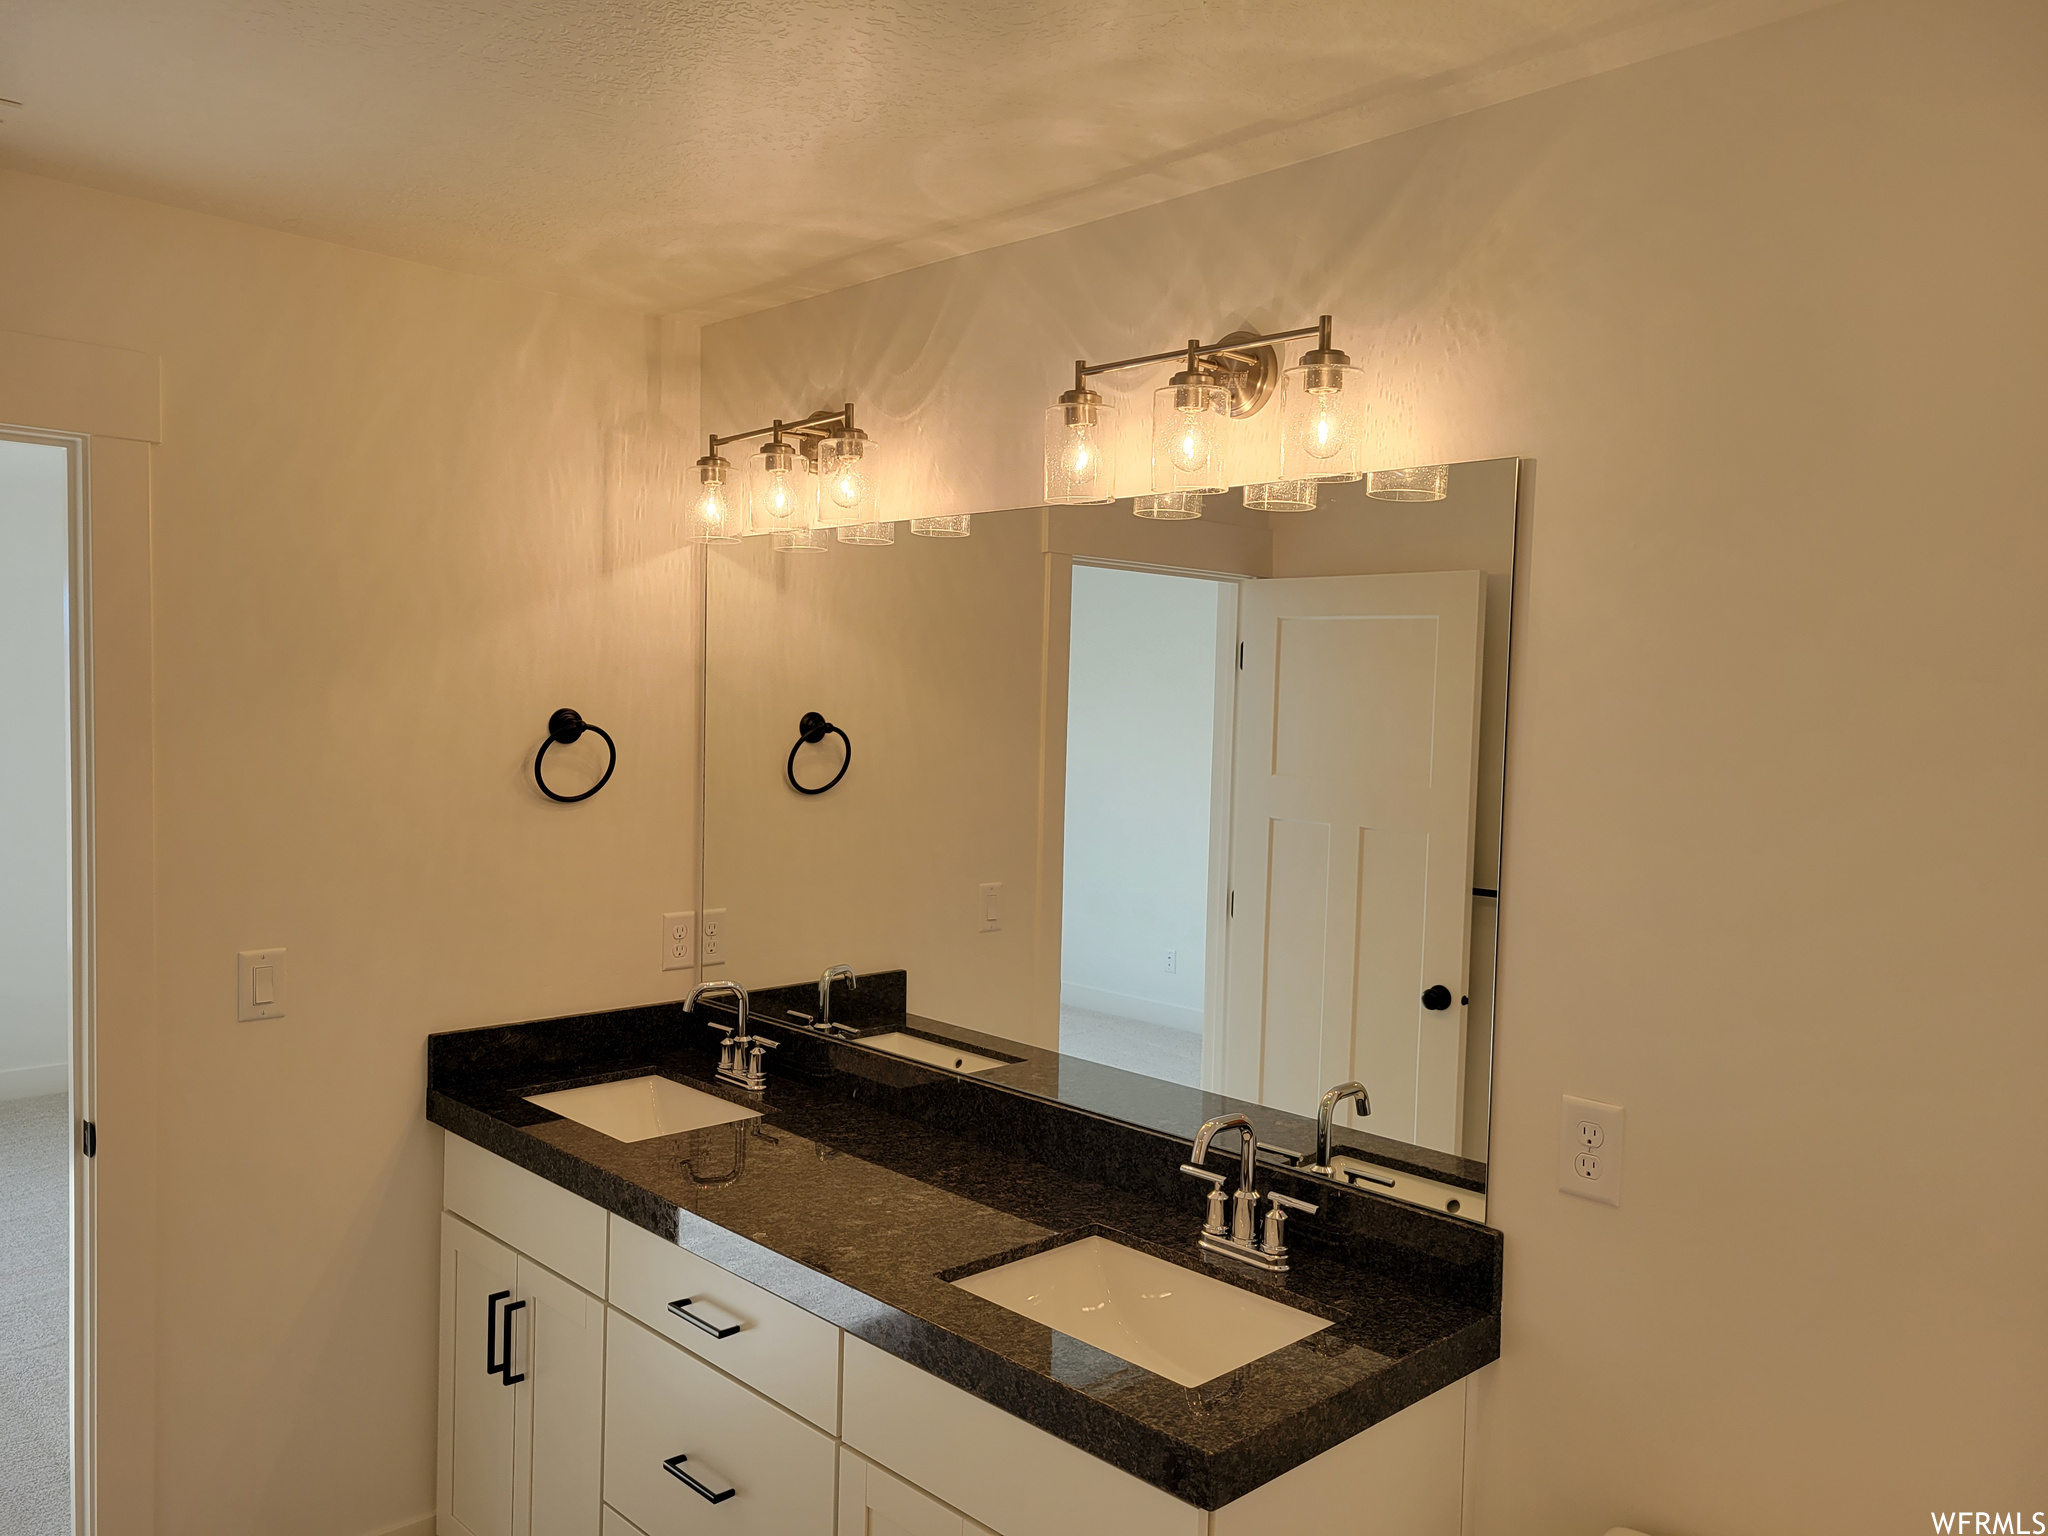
(1589, 1149)
(259, 984)
(992, 907)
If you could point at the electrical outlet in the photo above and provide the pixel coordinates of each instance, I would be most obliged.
(678, 941)
(1172, 963)
(711, 936)
(992, 907)
(1589, 1142)
(259, 984)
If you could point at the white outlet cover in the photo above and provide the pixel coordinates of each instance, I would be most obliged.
(712, 936)
(678, 941)
(1589, 1144)
(259, 973)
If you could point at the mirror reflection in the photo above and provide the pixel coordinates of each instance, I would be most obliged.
(1161, 815)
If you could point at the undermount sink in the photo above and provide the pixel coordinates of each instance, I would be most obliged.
(933, 1053)
(641, 1108)
(1171, 1321)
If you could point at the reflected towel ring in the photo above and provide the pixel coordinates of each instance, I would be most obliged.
(811, 730)
(565, 726)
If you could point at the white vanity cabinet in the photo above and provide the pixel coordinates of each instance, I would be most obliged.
(646, 1382)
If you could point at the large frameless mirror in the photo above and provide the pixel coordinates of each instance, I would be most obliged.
(1160, 816)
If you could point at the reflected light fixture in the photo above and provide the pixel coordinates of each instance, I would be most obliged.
(789, 493)
(957, 526)
(1428, 482)
(867, 533)
(1281, 496)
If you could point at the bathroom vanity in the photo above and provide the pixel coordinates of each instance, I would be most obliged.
(804, 1310)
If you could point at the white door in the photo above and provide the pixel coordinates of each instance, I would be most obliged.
(1351, 844)
(559, 1466)
(478, 1405)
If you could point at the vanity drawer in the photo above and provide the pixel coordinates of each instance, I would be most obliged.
(542, 1220)
(997, 1469)
(779, 1349)
(662, 1403)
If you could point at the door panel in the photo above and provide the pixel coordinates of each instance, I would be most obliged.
(560, 1435)
(477, 1408)
(1352, 823)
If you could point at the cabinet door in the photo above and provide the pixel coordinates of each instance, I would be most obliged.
(875, 1502)
(560, 1434)
(478, 1414)
(688, 1450)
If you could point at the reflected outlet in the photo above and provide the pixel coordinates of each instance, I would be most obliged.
(1589, 1150)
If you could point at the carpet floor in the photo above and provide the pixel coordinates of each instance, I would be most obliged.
(1153, 1049)
(35, 1316)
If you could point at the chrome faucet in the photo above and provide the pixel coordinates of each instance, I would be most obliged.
(832, 973)
(741, 1055)
(1237, 1238)
(1327, 1111)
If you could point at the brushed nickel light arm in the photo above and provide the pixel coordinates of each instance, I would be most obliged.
(1251, 368)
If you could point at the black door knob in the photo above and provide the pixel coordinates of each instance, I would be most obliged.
(1437, 999)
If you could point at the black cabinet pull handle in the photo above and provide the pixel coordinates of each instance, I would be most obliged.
(492, 1365)
(1437, 998)
(508, 1378)
(715, 1489)
(713, 1319)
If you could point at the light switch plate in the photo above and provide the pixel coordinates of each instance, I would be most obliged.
(992, 906)
(259, 974)
(1589, 1144)
(678, 941)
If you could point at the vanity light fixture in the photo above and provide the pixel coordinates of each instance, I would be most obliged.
(1428, 482)
(1168, 506)
(1281, 496)
(813, 473)
(1194, 420)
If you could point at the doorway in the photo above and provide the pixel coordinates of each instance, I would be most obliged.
(1150, 684)
(36, 1004)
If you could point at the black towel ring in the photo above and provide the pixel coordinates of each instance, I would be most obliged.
(811, 730)
(565, 726)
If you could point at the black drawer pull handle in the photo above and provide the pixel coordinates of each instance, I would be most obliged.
(715, 1489)
(507, 1377)
(492, 1366)
(714, 1320)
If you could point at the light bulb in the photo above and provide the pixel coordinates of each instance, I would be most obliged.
(780, 497)
(1324, 435)
(1081, 454)
(713, 512)
(849, 483)
(1190, 450)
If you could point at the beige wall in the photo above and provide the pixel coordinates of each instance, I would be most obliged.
(1767, 317)
(386, 546)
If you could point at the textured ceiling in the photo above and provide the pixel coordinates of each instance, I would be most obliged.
(721, 157)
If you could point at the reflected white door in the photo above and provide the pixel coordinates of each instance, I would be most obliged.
(1351, 844)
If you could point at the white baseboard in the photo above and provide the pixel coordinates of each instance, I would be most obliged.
(424, 1526)
(34, 1082)
(1124, 1006)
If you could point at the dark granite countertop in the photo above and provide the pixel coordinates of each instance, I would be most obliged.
(871, 1182)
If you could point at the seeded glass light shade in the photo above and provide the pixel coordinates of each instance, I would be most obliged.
(1322, 419)
(1167, 506)
(1078, 434)
(868, 533)
(956, 527)
(1281, 496)
(799, 541)
(782, 493)
(1429, 482)
(1191, 434)
(846, 479)
(715, 517)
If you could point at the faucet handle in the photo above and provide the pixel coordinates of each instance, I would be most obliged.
(1214, 1222)
(723, 1029)
(1197, 1171)
(762, 1042)
(1288, 1202)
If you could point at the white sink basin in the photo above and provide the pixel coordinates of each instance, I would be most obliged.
(641, 1108)
(933, 1053)
(1171, 1321)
